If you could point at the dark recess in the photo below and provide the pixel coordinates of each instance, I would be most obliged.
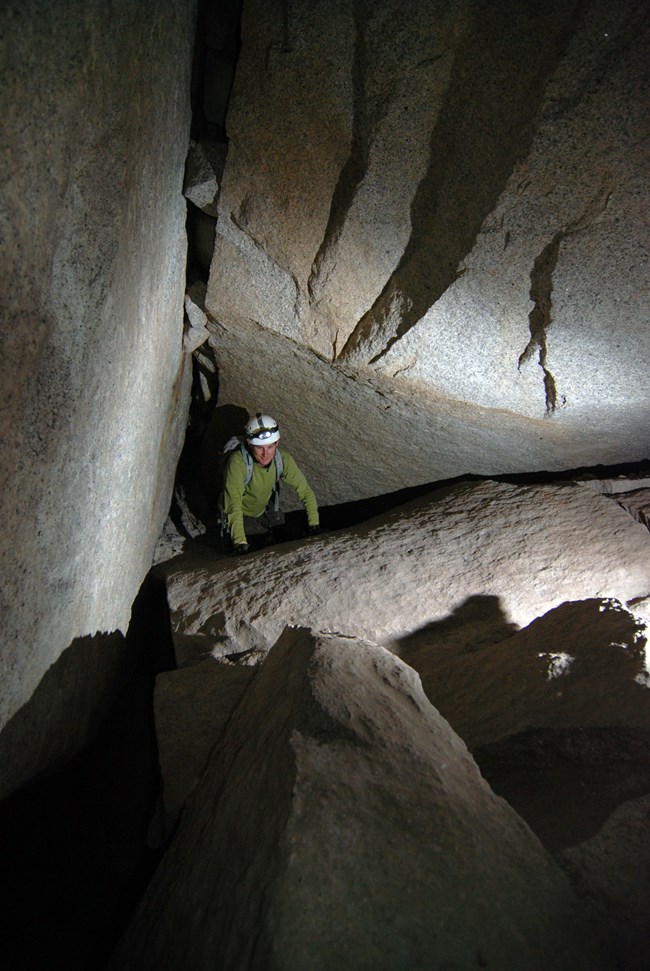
(73, 845)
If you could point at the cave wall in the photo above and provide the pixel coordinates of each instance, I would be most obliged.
(96, 115)
(445, 203)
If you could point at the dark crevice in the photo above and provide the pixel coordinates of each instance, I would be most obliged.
(74, 847)
(541, 289)
(541, 293)
(217, 47)
(216, 52)
(485, 127)
(349, 514)
(566, 782)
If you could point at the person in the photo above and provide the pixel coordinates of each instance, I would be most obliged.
(252, 500)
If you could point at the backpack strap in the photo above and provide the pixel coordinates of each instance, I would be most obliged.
(279, 469)
(232, 445)
(248, 459)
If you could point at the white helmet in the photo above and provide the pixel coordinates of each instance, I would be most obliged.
(262, 430)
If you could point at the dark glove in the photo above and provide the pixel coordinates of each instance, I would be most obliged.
(313, 530)
(240, 549)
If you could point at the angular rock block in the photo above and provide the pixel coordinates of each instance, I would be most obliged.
(341, 823)
(528, 549)
(95, 101)
(581, 665)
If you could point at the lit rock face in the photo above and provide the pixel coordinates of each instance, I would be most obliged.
(356, 436)
(95, 108)
(445, 582)
(419, 582)
(446, 202)
(528, 549)
(342, 823)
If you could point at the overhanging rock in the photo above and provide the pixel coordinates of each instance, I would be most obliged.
(459, 216)
(360, 434)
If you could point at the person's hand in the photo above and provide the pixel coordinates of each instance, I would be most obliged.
(240, 549)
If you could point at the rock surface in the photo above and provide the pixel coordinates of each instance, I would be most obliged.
(95, 107)
(583, 664)
(556, 712)
(192, 707)
(341, 822)
(203, 173)
(196, 332)
(612, 871)
(528, 548)
(446, 206)
(357, 436)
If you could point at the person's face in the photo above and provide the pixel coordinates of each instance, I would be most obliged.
(264, 454)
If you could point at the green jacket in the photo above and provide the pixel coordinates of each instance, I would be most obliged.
(252, 499)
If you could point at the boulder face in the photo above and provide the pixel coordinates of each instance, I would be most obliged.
(342, 823)
(95, 107)
(445, 203)
(327, 810)
(525, 550)
(612, 869)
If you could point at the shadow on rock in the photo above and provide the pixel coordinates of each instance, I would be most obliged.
(556, 714)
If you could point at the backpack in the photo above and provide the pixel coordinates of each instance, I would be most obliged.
(234, 443)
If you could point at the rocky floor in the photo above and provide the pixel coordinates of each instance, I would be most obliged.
(78, 848)
(74, 847)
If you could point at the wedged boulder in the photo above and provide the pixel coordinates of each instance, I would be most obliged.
(342, 823)
(196, 332)
(529, 548)
(357, 435)
(457, 222)
(203, 174)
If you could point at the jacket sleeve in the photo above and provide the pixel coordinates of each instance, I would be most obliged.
(233, 493)
(292, 475)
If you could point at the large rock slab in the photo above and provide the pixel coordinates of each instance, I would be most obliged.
(528, 548)
(462, 215)
(342, 823)
(545, 310)
(95, 108)
(357, 435)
